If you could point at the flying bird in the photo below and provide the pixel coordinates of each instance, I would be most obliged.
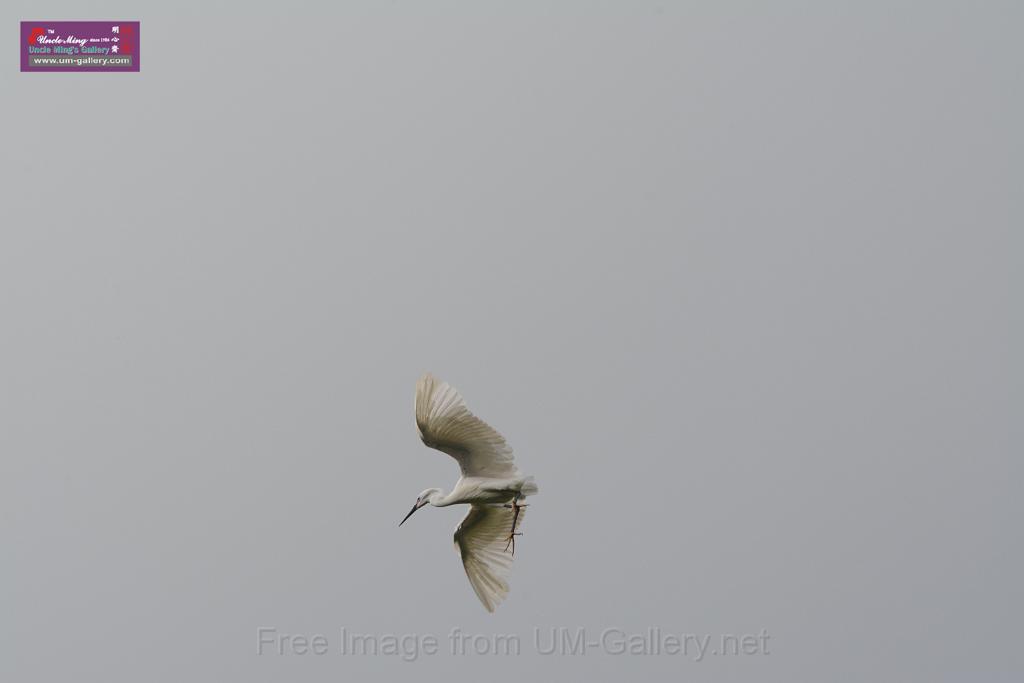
(490, 484)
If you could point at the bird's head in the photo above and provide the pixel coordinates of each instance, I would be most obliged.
(421, 500)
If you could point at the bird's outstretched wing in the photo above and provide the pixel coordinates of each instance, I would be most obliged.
(446, 424)
(481, 540)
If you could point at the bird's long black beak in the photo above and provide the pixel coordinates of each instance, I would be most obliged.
(414, 509)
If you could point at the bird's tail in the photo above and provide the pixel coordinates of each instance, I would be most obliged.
(529, 487)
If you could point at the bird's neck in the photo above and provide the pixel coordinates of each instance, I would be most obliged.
(439, 499)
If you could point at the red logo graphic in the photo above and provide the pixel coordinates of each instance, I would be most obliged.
(36, 32)
(126, 40)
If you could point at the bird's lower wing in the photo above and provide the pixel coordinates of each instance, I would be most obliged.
(481, 540)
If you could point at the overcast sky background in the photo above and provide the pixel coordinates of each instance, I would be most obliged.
(739, 281)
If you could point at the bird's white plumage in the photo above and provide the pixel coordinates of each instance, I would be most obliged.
(490, 483)
(445, 423)
(481, 540)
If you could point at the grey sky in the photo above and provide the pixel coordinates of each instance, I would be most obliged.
(739, 282)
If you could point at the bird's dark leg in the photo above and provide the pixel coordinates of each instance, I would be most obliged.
(515, 520)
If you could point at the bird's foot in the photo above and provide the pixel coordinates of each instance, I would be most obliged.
(512, 543)
(516, 507)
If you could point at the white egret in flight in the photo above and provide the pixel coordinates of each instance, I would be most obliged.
(490, 484)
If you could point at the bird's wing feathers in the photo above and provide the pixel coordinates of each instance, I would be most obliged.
(446, 424)
(481, 540)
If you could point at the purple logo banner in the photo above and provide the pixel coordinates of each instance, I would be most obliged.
(79, 46)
